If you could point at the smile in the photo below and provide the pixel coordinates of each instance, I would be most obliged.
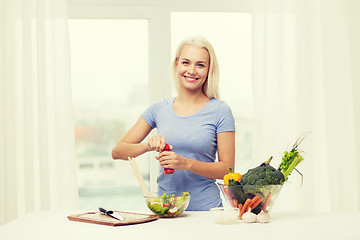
(191, 79)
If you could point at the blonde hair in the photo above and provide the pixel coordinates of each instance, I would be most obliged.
(211, 85)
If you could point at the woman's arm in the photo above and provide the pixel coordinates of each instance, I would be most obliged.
(226, 158)
(215, 170)
(130, 145)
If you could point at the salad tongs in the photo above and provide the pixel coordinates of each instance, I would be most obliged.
(139, 177)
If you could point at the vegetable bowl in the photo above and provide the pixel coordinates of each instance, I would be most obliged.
(169, 204)
(260, 197)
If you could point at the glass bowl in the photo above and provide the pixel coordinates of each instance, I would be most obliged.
(235, 194)
(169, 204)
(223, 215)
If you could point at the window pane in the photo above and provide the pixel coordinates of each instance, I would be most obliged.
(109, 62)
(230, 35)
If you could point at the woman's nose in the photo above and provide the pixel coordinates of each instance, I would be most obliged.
(191, 69)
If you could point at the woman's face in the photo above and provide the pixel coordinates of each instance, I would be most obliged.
(192, 67)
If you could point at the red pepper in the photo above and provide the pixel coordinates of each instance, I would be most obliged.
(168, 170)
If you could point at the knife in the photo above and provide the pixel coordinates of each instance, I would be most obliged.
(112, 214)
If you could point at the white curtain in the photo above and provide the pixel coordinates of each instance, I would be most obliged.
(37, 163)
(307, 78)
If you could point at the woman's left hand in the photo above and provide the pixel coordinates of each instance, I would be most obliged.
(172, 160)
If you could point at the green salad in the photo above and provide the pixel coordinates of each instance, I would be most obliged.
(169, 206)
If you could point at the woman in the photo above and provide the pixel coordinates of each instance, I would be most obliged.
(196, 125)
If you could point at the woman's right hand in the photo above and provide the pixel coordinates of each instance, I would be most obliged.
(156, 143)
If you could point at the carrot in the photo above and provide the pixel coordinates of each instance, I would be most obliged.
(245, 206)
(256, 203)
(240, 207)
(254, 199)
(266, 201)
(235, 202)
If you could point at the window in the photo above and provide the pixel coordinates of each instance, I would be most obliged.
(121, 52)
(110, 89)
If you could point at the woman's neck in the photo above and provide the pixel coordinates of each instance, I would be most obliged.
(191, 98)
(188, 104)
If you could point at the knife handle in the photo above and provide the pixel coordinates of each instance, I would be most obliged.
(102, 210)
(106, 212)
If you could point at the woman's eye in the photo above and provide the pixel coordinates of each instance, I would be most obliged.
(185, 62)
(201, 65)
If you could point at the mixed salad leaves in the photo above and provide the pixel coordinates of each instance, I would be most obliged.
(169, 206)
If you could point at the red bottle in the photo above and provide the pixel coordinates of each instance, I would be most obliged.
(168, 170)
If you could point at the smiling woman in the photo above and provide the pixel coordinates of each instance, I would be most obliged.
(197, 126)
(196, 63)
(192, 66)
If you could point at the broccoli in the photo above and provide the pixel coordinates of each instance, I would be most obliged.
(262, 176)
(256, 181)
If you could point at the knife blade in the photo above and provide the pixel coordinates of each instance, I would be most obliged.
(112, 214)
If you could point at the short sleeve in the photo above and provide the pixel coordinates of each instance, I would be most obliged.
(149, 115)
(226, 121)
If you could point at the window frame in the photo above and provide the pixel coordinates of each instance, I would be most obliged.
(158, 14)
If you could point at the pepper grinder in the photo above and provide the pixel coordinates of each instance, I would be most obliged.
(168, 170)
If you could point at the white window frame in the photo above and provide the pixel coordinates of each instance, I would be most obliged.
(158, 14)
(159, 34)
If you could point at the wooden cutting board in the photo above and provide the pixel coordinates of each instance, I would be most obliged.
(100, 218)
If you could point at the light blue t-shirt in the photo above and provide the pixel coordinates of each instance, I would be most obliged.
(192, 136)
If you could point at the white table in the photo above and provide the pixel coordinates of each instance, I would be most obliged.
(190, 225)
